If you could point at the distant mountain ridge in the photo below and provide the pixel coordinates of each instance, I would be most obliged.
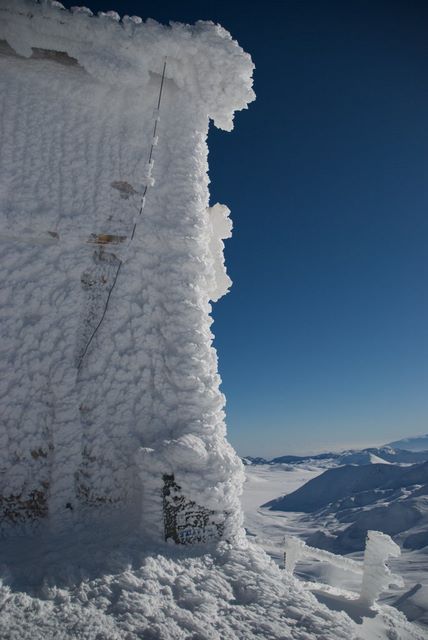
(341, 482)
(371, 455)
(416, 443)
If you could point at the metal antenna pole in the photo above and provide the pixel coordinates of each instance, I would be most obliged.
(143, 197)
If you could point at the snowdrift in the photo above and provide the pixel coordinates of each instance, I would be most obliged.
(223, 593)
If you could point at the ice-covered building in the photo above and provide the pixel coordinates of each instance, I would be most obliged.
(110, 255)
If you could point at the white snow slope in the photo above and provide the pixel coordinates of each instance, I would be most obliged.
(87, 588)
(117, 592)
(390, 498)
(323, 529)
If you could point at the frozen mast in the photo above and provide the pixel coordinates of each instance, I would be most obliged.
(139, 427)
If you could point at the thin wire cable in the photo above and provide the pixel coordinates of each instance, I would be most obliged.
(143, 196)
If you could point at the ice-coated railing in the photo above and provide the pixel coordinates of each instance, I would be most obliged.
(376, 575)
(296, 550)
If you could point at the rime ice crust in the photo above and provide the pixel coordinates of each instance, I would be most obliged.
(76, 129)
(203, 59)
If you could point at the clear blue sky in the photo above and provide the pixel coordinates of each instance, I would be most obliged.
(323, 339)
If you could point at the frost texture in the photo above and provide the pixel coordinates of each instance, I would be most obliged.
(376, 578)
(203, 60)
(76, 130)
(221, 229)
(376, 575)
(223, 594)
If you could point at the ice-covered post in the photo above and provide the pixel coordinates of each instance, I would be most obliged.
(376, 575)
(294, 550)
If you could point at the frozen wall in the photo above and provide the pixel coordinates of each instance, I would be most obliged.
(76, 129)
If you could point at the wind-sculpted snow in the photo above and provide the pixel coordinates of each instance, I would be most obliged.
(89, 588)
(78, 105)
(223, 594)
(377, 576)
(203, 60)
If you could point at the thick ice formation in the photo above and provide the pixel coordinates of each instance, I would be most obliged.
(203, 60)
(79, 99)
(377, 575)
(296, 549)
(221, 229)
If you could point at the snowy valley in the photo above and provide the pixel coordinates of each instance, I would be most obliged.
(331, 501)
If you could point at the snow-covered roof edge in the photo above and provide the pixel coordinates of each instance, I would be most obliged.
(203, 59)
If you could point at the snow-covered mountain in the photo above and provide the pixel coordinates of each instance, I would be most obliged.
(340, 526)
(353, 499)
(417, 443)
(370, 455)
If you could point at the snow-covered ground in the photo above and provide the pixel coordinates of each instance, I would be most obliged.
(90, 586)
(87, 585)
(268, 482)
(117, 592)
